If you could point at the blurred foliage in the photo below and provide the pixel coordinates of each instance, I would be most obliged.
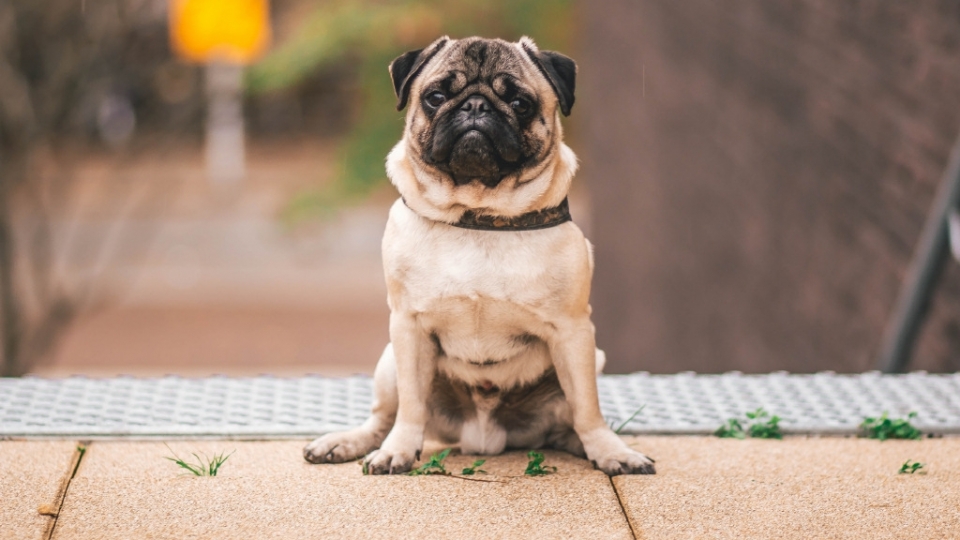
(370, 34)
(70, 73)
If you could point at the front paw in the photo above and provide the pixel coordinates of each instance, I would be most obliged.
(386, 462)
(611, 455)
(341, 447)
(398, 452)
(625, 462)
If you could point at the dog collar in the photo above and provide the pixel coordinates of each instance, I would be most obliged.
(531, 221)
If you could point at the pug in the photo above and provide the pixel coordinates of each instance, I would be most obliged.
(488, 280)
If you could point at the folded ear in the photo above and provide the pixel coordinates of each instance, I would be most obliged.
(405, 68)
(560, 70)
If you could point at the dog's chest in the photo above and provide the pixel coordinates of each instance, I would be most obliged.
(485, 294)
(481, 300)
(484, 271)
(463, 272)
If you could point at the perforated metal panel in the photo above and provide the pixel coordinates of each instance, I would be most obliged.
(270, 407)
(172, 406)
(823, 403)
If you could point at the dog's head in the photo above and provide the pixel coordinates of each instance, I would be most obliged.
(483, 127)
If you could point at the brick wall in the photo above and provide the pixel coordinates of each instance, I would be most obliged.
(760, 172)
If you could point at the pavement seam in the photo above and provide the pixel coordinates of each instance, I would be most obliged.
(78, 454)
(623, 510)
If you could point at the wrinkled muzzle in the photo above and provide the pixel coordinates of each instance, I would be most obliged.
(474, 141)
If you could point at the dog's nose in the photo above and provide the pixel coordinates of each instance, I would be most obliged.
(475, 105)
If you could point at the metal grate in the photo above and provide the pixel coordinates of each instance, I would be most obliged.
(172, 406)
(272, 407)
(822, 403)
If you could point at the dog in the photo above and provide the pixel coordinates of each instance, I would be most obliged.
(488, 279)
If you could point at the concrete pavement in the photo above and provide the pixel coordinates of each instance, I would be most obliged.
(33, 479)
(705, 488)
(798, 488)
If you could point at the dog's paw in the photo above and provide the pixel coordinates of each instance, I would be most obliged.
(341, 447)
(627, 462)
(398, 452)
(385, 462)
(610, 454)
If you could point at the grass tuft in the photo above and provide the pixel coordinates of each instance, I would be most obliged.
(911, 467)
(205, 466)
(475, 468)
(759, 424)
(883, 427)
(535, 466)
(433, 466)
(617, 430)
(731, 429)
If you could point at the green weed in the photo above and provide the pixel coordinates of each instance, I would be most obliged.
(535, 466)
(474, 469)
(433, 466)
(764, 426)
(731, 429)
(884, 428)
(627, 421)
(909, 467)
(759, 425)
(205, 466)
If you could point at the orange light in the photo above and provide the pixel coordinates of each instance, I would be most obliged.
(235, 31)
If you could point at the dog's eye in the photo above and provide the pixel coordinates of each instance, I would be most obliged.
(520, 106)
(435, 99)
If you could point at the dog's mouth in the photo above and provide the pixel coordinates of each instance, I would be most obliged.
(482, 150)
(487, 389)
(474, 157)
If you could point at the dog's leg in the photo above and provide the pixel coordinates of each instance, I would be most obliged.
(601, 361)
(574, 353)
(349, 445)
(416, 368)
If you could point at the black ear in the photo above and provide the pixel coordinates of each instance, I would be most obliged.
(405, 68)
(560, 70)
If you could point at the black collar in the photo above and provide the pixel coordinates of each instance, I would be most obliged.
(531, 221)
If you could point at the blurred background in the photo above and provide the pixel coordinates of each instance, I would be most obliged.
(754, 177)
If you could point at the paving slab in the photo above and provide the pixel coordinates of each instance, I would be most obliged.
(265, 490)
(33, 476)
(801, 488)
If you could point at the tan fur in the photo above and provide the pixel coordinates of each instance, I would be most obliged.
(541, 187)
(482, 309)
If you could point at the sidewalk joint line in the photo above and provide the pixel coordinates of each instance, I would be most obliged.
(623, 510)
(78, 457)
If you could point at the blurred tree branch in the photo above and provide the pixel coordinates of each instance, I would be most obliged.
(54, 54)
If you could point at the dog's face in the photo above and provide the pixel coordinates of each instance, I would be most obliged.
(483, 113)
